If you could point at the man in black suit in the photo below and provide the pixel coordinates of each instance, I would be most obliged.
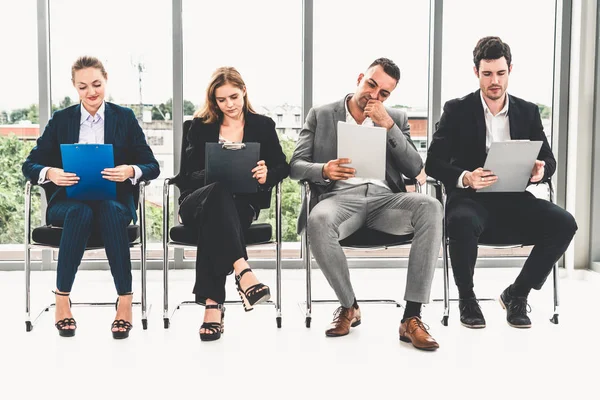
(456, 156)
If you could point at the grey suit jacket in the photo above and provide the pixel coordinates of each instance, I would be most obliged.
(317, 145)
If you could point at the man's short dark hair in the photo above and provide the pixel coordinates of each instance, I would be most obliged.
(491, 48)
(389, 67)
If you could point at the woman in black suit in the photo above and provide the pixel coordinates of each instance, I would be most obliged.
(222, 218)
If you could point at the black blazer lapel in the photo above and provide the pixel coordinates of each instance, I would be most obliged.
(251, 129)
(514, 121)
(74, 126)
(480, 134)
(110, 124)
(212, 133)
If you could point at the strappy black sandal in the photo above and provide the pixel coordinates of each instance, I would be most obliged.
(121, 323)
(64, 323)
(255, 294)
(213, 330)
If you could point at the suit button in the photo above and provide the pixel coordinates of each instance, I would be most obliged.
(393, 143)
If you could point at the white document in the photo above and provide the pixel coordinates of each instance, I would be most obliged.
(365, 146)
(512, 163)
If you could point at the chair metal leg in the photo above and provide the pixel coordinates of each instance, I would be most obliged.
(278, 254)
(308, 268)
(554, 318)
(166, 321)
(445, 244)
(142, 204)
(28, 324)
(446, 284)
(307, 259)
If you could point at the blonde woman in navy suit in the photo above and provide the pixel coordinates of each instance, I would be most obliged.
(92, 121)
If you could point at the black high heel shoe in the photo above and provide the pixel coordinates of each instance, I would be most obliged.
(121, 323)
(64, 323)
(254, 294)
(213, 330)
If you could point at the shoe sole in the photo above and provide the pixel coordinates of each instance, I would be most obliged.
(210, 337)
(473, 326)
(66, 332)
(509, 324)
(250, 307)
(407, 340)
(120, 334)
(352, 325)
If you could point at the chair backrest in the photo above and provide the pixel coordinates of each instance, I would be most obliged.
(182, 159)
(184, 144)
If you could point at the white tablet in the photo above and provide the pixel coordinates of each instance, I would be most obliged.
(512, 163)
(365, 146)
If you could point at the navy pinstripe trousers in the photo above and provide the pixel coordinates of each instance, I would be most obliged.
(79, 219)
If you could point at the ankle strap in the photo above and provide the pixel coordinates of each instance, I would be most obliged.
(238, 277)
(61, 294)
(213, 306)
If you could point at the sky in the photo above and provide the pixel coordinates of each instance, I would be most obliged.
(348, 36)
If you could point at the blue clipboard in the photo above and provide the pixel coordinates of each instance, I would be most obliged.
(87, 161)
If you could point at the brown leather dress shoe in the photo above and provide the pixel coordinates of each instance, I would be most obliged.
(414, 331)
(343, 319)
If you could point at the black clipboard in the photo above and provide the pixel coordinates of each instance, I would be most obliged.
(231, 164)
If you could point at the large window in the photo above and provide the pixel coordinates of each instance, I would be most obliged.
(345, 46)
(531, 40)
(135, 46)
(263, 40)
(19, 120)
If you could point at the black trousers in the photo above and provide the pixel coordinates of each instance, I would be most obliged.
(506, 218)
(221, 221)
(79, 219)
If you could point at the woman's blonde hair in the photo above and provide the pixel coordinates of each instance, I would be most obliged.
(87, 62)
(210, 111)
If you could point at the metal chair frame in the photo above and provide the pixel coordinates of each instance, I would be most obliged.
(306, 306)
(167, 242)
(141, 243)
(441, 194)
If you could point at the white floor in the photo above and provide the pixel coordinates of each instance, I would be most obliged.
(255, 360)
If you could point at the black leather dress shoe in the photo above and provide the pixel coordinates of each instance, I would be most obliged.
(516, 310)
(470, 313)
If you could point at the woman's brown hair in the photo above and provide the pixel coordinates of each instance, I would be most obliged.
(210, 111)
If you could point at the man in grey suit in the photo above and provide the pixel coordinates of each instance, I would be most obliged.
(342, 204)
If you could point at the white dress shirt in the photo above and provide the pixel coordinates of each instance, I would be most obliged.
(91, 131)
(497, 129)
(342, 184)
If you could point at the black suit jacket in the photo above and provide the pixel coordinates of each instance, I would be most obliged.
(121, 129)
(459, 140)
(257, 128)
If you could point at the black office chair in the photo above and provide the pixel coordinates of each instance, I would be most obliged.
(49, 237)
(364, 238)
(185, 237)
(496, 240)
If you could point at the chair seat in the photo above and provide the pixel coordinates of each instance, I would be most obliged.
(256, 234)
(366, 237)
(500, 238)
(50, 236)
